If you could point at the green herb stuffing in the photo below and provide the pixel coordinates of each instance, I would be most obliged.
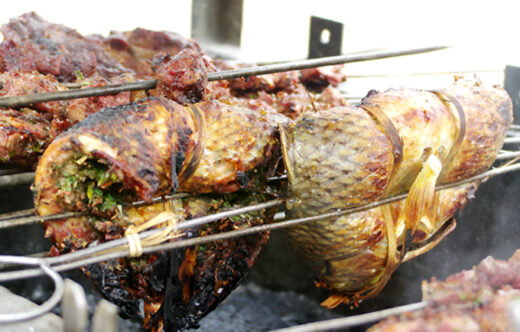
(93, 183)
(79, 75)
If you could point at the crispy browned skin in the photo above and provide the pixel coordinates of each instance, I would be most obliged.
(360, 157)
(140, 143)
(241, 148)
(155, 146)
(348, 156)
(30, 43)
(472, 300)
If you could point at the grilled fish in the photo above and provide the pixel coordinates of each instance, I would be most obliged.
(144, 150)
(394, 141)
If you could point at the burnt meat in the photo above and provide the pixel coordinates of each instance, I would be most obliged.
(33, 44)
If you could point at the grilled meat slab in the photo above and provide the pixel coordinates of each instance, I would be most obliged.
(139, 49)
(472, 300)
(28, 132)
(33, 44)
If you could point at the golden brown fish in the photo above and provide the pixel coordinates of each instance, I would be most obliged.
(394, 141)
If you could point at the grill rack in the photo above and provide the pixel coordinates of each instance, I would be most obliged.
(11, 177)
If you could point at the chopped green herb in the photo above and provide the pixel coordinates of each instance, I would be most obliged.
(79, 75)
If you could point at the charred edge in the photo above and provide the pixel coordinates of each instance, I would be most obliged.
(254, 178)
(257, 177)
(173, 311)
(110, 114)
(109, 286)
(173, 169)
(184, 135)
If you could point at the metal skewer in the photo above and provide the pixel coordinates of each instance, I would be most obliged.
(24, 100)
(356, 320)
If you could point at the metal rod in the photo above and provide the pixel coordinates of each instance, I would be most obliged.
(507, 155)
(24, 100)
(16, 214)
(184, 225)
(426, 73)
(34, 219)
(44, 307)
(63, 260)
(26, 217)
(312, 63)
(7, 221)
(346, 322)
(8, 171)
(16, 179)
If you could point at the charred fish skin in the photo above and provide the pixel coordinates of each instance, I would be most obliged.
(350, 254)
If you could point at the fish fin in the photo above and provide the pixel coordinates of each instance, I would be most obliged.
(335, 300)
(422, 192)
